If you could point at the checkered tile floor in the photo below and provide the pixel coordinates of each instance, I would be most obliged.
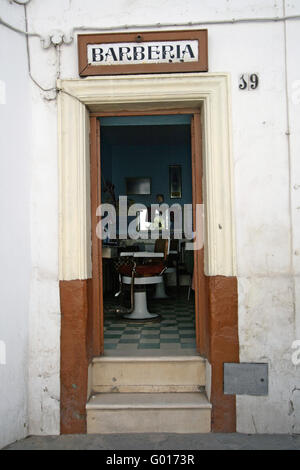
(175, 332)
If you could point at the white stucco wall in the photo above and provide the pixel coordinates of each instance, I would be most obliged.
(15, 165)
(268, 229)
(265, 173)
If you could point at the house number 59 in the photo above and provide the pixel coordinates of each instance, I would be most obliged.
(248, 81)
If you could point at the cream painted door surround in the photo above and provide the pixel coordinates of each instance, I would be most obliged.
(209, 92)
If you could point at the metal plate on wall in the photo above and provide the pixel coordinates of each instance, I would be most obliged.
(245, 379)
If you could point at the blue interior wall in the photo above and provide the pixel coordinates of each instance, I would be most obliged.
(106, 162)
(151, 161)
(147, 151)
(153, 120)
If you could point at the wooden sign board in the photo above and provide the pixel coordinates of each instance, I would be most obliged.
(147, 52)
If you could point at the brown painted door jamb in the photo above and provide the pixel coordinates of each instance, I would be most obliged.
(98, 335)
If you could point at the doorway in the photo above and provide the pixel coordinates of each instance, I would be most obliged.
(148, 159)
(81, 102)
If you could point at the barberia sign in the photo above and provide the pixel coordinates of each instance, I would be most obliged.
(150, 52)
(169, 51)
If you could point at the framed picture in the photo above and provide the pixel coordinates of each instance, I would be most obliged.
(175, 181)
(138, 185)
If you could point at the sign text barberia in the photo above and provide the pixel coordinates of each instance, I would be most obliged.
(148, 52)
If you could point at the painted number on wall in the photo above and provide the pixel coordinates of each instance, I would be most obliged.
(248, 81)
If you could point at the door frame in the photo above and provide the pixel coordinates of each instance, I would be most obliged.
(97, 269)
(209, 93)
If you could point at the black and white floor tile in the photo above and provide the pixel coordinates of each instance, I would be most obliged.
(174, 332)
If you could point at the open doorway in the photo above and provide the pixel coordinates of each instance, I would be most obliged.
(81, 283)
(146, 160)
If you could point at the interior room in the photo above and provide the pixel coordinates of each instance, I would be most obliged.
(148, 293)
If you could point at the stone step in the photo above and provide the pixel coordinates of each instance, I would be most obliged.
(110, 413)
(148, 374)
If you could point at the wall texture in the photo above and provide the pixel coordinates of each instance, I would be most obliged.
(15, 166)
(266, 143)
